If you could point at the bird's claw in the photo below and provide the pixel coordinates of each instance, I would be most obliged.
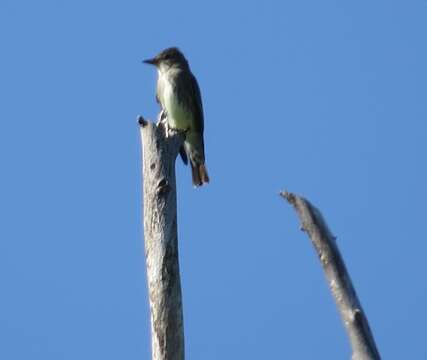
(163, 121)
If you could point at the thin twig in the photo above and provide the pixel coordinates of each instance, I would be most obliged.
(352, 314)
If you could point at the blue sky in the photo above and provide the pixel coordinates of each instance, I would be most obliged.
(326, 99)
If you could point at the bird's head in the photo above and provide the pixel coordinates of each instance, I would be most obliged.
(168, 58)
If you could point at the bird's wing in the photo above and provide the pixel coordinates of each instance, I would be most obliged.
(199, 105)
(187, 84)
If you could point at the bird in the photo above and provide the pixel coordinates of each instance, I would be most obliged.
(178, 94)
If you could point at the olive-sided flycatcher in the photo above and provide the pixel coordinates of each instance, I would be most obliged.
(179, 96)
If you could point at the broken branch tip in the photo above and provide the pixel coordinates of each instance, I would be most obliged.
(141, 121)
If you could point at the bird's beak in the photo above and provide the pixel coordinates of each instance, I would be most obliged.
(150, 61)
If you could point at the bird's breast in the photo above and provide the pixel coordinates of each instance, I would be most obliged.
(178, 116)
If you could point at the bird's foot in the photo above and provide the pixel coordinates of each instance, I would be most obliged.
(167, 128)
(163, 122)
(161, 118)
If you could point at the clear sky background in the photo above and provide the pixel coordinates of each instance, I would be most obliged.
(323, 98)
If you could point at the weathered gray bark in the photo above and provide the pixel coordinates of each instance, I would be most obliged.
(352, 314)
(161, 241)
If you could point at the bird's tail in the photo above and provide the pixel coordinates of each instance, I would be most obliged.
(199, 174)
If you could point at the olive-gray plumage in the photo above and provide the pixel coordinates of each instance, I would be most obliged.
(179, 96)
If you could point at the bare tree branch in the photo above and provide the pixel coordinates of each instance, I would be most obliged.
(161, 241)
(352, 314)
